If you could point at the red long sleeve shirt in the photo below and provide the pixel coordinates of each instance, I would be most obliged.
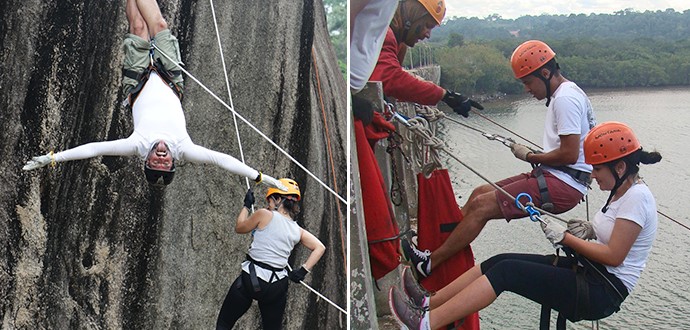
(398, 83)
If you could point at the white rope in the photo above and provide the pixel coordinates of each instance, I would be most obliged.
(227, 84)
(254, 127)
(321, 296)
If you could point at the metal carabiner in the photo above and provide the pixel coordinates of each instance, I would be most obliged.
(534, 215)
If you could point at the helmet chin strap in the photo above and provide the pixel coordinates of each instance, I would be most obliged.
(547, 82)
(407, 25)
(619, 182)
(278, 201)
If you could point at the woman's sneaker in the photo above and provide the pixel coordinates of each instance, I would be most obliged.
(408, 315)
(417, 294)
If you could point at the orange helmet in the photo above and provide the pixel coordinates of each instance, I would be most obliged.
(437, 9)
(609, 141)
(293, 189)
(530, 56)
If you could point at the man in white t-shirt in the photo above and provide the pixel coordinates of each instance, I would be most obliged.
(556, 185)
(154, 86)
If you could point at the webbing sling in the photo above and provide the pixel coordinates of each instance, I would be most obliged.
(546, 201)
(252, 272)
(143, 77)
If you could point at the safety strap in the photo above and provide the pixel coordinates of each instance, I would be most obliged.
(545, 196)
(580, 176)
(581, 297)
(166, 75)
(252, 272)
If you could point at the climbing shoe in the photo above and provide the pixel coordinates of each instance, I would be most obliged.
(408, 315)
(418, 295)
(420, 261)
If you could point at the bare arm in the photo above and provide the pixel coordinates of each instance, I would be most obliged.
(566, 154)
(623, 236)
(246, 223)
(317, 248)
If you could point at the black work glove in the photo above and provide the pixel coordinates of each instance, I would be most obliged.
(298, 275)
(249, 199)
(460, 104)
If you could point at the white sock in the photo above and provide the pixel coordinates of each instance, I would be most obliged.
(424, 324)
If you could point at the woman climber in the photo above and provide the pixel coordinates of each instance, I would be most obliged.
(153, 83)
(264, 275)
(609, 267)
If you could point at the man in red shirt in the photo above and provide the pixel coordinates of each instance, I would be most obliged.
(412, 22)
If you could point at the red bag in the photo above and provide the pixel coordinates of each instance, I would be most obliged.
(378, 215)
(438, 215)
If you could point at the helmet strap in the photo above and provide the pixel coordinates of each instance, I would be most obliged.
(619, 182)
(277, 201)
(547, 82)
(407, 25)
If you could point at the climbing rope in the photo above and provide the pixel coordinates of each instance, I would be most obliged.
(424, 143)
(321, 296)
(503, 127)
(178, 65)
(330, 154)
(227, 84)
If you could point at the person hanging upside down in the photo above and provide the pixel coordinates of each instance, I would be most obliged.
(560, 181)
(608, 268)
(264, 273)
(153, 84)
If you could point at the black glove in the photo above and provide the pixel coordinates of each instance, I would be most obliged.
(460, 104)
(249, 199)
(298, 275)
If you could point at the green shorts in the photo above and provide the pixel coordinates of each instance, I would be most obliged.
(137, 56)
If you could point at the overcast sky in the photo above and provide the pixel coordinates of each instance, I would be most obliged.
(516, 8)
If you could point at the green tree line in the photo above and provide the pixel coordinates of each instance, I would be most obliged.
(626, 49)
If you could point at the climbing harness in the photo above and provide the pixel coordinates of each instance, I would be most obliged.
(252, 272)
(582, 299)
(227, 84)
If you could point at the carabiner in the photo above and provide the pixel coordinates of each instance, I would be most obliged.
(534, 215)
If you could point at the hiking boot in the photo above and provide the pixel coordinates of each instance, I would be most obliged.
(418, 295)
(405, 312)
(420, 261)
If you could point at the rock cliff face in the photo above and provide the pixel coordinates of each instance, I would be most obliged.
(88, 244)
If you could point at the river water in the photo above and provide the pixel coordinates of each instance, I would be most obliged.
(661, 120)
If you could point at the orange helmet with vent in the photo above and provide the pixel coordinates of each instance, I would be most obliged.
(609, 141)
(293, 189)
(436, 8)
(530, 56)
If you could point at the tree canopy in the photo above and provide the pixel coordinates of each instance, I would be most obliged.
(624, 49)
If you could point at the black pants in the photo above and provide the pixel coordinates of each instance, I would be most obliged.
(272, 299)
(536, 278)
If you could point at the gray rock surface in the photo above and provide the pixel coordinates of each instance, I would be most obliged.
(87, 244)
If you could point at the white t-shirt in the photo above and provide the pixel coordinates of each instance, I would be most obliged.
(636, 205)
(370, 27)
(570, 112)
(157, 115)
